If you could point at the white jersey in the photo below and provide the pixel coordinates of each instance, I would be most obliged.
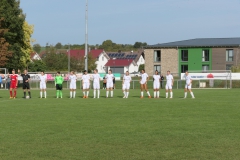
(72, 78)
(144, 77)
(169, 79)
(109, 78)
(188, 79)
(43, 78)
(156, 78)
(85, 78)
(127, 79)
(96, 78)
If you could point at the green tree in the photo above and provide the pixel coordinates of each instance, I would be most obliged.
(4, 53)
(14, 21)
(141, 67)
(58, 45)
(139, 45)
(37, 48)
(37, 66)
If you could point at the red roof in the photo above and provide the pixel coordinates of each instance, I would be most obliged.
(80, 53)
(119, 62)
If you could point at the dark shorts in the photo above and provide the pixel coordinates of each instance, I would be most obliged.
(26, 86)
(58, 87)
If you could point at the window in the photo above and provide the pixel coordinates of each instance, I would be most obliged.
(102, 58)
(184, 68)
(228, 66)
(229, 55)
(205, 68)
(157, 56)
(205, 55)
(184, 55)
(157, 67)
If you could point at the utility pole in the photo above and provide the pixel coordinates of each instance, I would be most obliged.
(86, 37)
(68, 58)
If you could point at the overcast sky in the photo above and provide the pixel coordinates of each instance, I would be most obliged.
(128, 21)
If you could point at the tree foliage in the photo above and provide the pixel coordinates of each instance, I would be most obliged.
(141, 67)
(16, 36)
(58, 45)
(37, 48)
(37, 66)
(78, 63)
(138, 45)
(4, 53)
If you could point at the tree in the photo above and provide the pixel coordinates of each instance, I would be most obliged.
(37, 66)
(58, 45)
(4, 53)
(37, 48)
(141, 67)
(27, 49)
(139, 45)
(14, 21)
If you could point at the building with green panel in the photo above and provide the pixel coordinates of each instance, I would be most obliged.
(200, 54)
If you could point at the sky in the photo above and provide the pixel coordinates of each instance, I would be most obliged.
(130, 21)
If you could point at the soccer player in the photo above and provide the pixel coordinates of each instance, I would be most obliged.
(143, 82)
(43, 81)
(96, 84)
(109, 78)
(126, 84)
(14, 84)
(169, 84)
(188, 85)
(85, 84)
(59, 82)
(26, 86)
(156, 84)
(73, 79)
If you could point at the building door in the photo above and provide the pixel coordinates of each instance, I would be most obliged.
(184, 68)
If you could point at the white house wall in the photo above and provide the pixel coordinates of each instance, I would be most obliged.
(101, 62)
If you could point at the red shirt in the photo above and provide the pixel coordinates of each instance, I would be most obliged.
(14, 78)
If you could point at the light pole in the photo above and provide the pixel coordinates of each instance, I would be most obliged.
(68, 58)
(86, 37)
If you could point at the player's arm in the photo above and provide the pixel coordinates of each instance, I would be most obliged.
(28, 78)
(123, 81)
(16, 81)
(190, 82)
(147, 79)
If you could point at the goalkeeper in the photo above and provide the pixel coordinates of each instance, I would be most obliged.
(58, 82)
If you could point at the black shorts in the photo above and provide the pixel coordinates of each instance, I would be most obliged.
(58, 87)
(26, 86)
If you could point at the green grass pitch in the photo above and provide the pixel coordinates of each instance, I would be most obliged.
(207, 127)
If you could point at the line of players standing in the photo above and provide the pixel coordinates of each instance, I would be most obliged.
(96, 84)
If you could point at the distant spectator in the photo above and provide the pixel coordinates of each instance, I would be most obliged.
(8, 81)
(161, 82)
(104, 82)
(1, 78)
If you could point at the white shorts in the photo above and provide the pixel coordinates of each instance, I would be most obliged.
(188, 86)
(168, 86)
(43, 86)
(72, 86)
(142, 82)
(96, 85)
(109, 84)
(86, 85)
(126, 86)
(156, 85)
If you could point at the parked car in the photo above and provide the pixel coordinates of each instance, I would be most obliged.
(135, 74)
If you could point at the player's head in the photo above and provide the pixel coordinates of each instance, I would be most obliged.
(13, 71)
(25, 71)
(85, 71)
(127, 73)
(110, 71)
(95, 70)
(186, 72)
(168, 72)
(42, 73)
(156, 72)
(143, 71)
(71, 72)
(58, 73)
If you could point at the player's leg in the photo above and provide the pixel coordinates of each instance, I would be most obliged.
(24, 90)
(107, 89)
(87, 89)
(94, 89)
(190, 90)
(166, 87)
(124, 90)
(41, 90)
(57, 88)
(141, 90)
(28, 88)
(157, 90)
(71, 92)
(127, 89)
(111, 89)
(185, 91)
(45, 89)
(146, 89)
(171, 93)
(10, 92)
(84, 90)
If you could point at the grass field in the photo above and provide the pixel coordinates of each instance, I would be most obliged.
(207, 127)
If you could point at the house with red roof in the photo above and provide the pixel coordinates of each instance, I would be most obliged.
(35, 56)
